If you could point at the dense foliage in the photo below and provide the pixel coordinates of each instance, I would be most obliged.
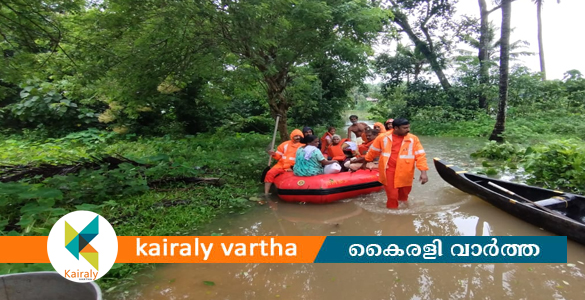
(123, 194)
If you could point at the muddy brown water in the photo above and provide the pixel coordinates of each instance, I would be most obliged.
(434, 209)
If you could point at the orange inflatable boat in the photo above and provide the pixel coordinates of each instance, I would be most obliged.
(326, 188)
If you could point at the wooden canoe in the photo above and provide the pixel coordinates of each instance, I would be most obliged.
(558, 212)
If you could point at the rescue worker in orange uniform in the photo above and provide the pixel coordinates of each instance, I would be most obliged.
(399, 153)
(285, 155)
(380, 127)
(388, 124)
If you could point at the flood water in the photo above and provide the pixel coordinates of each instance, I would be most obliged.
(433, 209)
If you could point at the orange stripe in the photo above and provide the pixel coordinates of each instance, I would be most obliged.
(266, 249)
(23, 249)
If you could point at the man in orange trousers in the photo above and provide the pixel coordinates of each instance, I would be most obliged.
(399, 153)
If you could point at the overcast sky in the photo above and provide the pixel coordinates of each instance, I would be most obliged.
(563, 25)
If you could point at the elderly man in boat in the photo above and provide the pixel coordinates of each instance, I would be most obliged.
(310, 161)
(285, 155)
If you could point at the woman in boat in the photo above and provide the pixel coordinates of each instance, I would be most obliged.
(334, 150)
(342, 150)
(306, 132)
(326, 139)
(309, 159)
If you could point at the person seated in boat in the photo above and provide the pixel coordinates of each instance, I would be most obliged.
(342, 150)
(306, 132)
(334, 150)
(378, 126)
(350, 149)
(357, 128)
(326, 139)
(353, 165)
(285, 155)
(309, 159)
(388, 124)
(371, 135)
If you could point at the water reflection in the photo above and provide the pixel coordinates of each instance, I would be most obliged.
(434, 209)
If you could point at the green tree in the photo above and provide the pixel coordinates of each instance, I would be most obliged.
(429, 29)
(485, 35)
(152, 62)
(31, 35)
(278, 36)
(399, 68)
(500, 125)
(539, 4)
(486, 59)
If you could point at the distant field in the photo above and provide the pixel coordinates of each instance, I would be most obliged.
(362, 114)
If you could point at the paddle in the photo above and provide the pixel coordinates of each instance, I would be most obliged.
(532, 202)
(271, 148)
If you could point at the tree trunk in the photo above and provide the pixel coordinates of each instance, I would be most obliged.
(484, 73)
(283, 132)
(504, 68)
(425, 49)
(275, 86)
(540, 42)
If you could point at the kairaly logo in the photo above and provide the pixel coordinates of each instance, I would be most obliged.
(82, 246)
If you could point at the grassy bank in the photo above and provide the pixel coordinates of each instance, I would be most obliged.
(530, 129)
(123, 195)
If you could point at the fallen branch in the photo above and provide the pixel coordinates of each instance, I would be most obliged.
(210, 181)
(42, 171)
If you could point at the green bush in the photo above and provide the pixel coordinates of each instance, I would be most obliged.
(45, 105)
(559, 164)
(499, 151)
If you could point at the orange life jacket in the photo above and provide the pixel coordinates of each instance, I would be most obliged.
(363, 148)
(287, 151)
(336, 152)
(324, 143)
(411, 153)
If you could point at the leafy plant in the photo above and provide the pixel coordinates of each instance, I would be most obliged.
(559, 164)
(499, 151)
